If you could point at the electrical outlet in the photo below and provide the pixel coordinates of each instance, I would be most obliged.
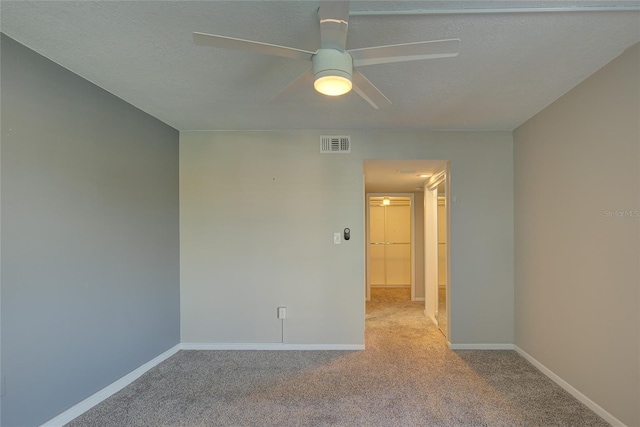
(336, 238)
(282, 312)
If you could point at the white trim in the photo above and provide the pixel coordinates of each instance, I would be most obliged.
(419, 299)
(91, 401)
(435, 180)
(433, 319)
(480, 346)
(489, 10)
(88, 403)
(367, 214)
(447, 196)
(413, 245)
(365, 261)
(268, 346)
(571, 389)
(430, 254)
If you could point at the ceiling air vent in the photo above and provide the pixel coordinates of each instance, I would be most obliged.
(335, 144)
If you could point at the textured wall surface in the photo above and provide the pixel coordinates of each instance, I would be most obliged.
(90, 281)
(577, 184)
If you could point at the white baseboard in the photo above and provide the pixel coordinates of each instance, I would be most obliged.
(419, 299)
(118, 385)
(269, 346)
(433, 319)
(91, 401)
(572, 390)
(480, 346)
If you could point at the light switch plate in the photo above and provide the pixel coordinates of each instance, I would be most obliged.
(336, 238)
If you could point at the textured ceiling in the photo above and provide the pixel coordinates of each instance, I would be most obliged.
(384, 176)
(510, 65)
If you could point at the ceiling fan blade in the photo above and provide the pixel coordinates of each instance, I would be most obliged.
(334, 22)
(368, 91)
(202, 39)
(305, 80)
(405, 52)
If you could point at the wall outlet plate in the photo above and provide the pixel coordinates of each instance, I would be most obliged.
(282, 312)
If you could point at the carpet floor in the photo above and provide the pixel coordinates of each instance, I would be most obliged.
(407, 376)
(442, 310)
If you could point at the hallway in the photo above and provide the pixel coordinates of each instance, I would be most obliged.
(392, 319)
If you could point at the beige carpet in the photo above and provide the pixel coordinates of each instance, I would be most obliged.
(406, 377)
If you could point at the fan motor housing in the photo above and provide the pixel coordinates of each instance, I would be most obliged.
(332, 62)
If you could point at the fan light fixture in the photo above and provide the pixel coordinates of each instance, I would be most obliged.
(332, 72)
(332, 85)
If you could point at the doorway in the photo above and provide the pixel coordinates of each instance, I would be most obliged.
(437, 250)
(441, 313)
(389, 243)
(418, 178)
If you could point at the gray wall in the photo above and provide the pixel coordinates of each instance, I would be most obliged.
(577, 293)
(257, 215)
(90, 279)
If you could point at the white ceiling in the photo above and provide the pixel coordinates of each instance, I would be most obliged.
(399, 176)
(510, 65)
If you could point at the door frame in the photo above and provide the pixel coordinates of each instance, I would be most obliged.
(413, 239)
(431, 245)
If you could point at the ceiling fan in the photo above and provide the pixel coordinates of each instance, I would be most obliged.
(333, 67)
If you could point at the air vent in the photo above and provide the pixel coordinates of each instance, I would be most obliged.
(335, 144)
